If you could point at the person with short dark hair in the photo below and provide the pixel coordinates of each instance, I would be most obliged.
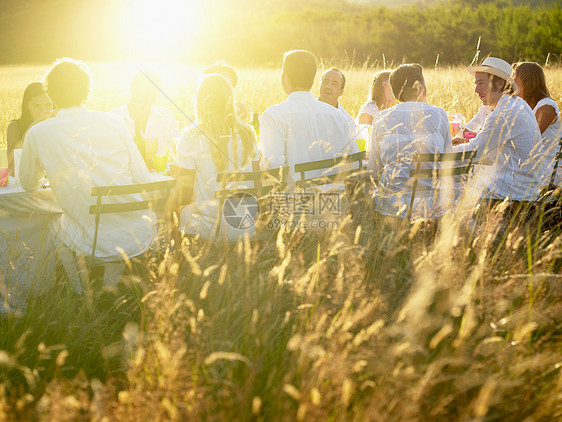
(153, 127)
(302, 129)
(399, 132)
(509, 142)
(36, 106)
(331, 89)
(78, 149)
(531, 81)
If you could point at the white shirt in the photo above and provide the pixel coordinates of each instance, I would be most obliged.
(349, 119)
(478, 120)
(550, 144)
(370, 108)
(79, 149)
(200, 217)
(161, 125)
(509, 146)
(302, 129)
(398, 133)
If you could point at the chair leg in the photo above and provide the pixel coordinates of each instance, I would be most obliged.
(112, 273)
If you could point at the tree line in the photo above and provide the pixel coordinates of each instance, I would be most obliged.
(250, 32)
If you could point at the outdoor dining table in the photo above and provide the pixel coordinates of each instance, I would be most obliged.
(28, 255)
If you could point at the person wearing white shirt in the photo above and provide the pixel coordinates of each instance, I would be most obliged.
(531, 81)
(302, 129)
(332, 86)
(477, 122)
(381, 97)
(509, 141)
(156, 125)
(79, 149)
(412, 126)
(218, 143)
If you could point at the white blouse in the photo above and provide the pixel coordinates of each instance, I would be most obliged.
(550, 144)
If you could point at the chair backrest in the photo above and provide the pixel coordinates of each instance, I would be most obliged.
(160, 192)
(557, 160)
(263, 181)
(326, 164)
(462, 165)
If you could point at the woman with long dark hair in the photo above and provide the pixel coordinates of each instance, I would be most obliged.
(381, 97)
(531, 81)
(35, 107)
(218, 143)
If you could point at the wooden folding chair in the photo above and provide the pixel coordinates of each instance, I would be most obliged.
(312, 181)
(463, 166)
(264, 182)
(159, 194)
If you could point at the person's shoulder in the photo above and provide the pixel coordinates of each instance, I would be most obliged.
(276, 108)
(120, 111)
(13, 127)
(162, 111)
(546, 101)
(105, 115)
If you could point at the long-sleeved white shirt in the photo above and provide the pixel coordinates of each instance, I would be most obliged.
(79, 149)
(161, 125)
(302, 129)
(509, 147)
(398, 134)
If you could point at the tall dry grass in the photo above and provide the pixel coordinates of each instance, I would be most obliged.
(375, 320)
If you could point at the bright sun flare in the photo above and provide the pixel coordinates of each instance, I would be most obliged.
(162, 27)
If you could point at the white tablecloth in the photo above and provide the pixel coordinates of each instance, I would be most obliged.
(27, 254)
(27, 248)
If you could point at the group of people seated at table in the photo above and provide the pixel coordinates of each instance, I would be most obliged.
(516, 134)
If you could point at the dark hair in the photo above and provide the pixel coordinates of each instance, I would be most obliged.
(340, 72)
(32, 90)
(377, 89)
(403, 78)
(534, 82)
(68, 83)
(224, 69)
(506, 87)
(300, 68)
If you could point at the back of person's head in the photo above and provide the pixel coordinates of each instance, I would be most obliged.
(224, 69)
(32, 90)
(300, 68)
(216, 116)
(377, 89)
(68, 83)
(407, 81)
(145, 87)
(533, 80)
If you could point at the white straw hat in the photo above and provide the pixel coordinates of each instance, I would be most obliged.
(497, 67)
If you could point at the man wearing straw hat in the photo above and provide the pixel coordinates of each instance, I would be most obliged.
(508, 141)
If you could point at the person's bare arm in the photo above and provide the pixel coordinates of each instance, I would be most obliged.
(183, 194)
(365, 119)
(545, 115)
(13, 141)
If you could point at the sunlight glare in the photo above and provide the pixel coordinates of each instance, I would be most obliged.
(164, 29)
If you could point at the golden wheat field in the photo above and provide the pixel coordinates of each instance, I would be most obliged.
(368, 321)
